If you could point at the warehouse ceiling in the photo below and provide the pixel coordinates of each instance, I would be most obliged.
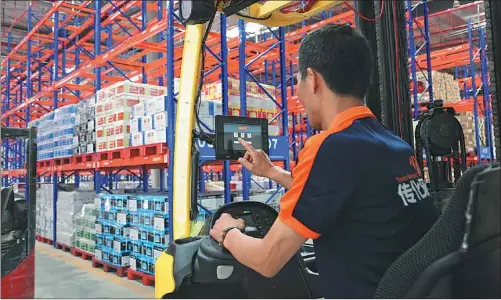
(14, 18)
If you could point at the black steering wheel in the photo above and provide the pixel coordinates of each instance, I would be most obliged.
(258, 218)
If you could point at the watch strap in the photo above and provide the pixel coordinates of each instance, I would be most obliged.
(224, 232)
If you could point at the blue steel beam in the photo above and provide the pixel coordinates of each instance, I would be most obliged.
(224, 87)
(243, 97)
(170, 105)
(474, 88)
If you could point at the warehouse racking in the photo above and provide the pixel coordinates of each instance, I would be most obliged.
(46, 71)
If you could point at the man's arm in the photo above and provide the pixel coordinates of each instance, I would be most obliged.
(260, 164)
(281, 176)
(275, 250)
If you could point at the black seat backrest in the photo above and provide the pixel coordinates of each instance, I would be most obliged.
(443, 238)
(7, 196)
(478, 273)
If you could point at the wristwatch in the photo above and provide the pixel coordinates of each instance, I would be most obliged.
(224, 232)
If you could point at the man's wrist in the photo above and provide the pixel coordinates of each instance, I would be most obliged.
(275, 173)
(229, 236)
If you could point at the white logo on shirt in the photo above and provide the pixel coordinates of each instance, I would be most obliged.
(413, 191)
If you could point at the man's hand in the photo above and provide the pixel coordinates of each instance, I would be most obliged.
(225, 221)
(256, 161)
(259, 164)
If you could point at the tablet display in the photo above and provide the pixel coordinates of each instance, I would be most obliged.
(229, 129)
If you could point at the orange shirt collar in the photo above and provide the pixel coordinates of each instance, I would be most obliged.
(345, 118)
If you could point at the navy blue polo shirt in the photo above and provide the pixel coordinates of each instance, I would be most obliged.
(358, 192)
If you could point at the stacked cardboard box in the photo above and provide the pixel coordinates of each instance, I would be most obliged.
(45, 136)
(259, 103)
(44, 211)
(85, 235)
(112, 229)
(84, 140)
(148, 122)
(114, 111)
(149, 232)
(445, 87)
(69, 206)
(468, 123)
(65, 129)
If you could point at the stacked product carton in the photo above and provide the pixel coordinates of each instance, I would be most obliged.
(114, 111)
(44, 211)
(45, 136)
(85, 237)
(468, 123)
(148, 122)
(112, 229)
(84, 140)
(69, 206)
(64, 130)
(445, 87)
(259, 103)
(149, 232)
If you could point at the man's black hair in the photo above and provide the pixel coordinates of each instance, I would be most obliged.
(341, 55)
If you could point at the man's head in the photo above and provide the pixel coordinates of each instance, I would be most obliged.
(335, 70)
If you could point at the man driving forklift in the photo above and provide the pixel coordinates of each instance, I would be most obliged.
(355, 189)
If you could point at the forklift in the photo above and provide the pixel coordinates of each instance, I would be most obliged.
(18, 224)
(197, 266)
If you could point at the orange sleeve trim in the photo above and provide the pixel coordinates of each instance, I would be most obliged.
(300, 175)
(298, 227)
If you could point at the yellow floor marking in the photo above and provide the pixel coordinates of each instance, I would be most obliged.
(87, 267)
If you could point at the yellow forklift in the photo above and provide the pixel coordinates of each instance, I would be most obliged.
(198, 267)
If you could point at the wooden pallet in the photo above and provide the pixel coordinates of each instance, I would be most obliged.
(81, 253)
(146, 279)
(44, 240)
(121, 271)
(63, 247)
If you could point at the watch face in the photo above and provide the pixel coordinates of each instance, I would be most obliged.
(186, 7)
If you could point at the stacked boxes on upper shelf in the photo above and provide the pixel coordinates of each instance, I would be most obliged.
(64, 130)
(84, 140)
(149, 232)
(445, 87)
(148, 120)
(259, 103)
(112, 229)
(45, 136)
(114, 111)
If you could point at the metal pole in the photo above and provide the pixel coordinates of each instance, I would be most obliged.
(97, 72)
(412, 55)
(144, 16)
(55, 75)
(243, 98)
(224, 87)
(283, 89)
(170, 111)
(428, 50)
(474, 89)
(486, 92)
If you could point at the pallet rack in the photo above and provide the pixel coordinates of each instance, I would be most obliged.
(466, 52)
(68, 65)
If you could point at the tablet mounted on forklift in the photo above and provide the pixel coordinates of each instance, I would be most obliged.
(230, 128)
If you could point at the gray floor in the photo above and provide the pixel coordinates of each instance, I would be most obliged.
(58, 274)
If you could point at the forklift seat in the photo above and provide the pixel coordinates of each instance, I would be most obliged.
(459, 256)
(14, 212)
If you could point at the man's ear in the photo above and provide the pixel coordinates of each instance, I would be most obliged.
(312, 80)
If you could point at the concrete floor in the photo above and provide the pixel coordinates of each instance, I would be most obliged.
(58, 274)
